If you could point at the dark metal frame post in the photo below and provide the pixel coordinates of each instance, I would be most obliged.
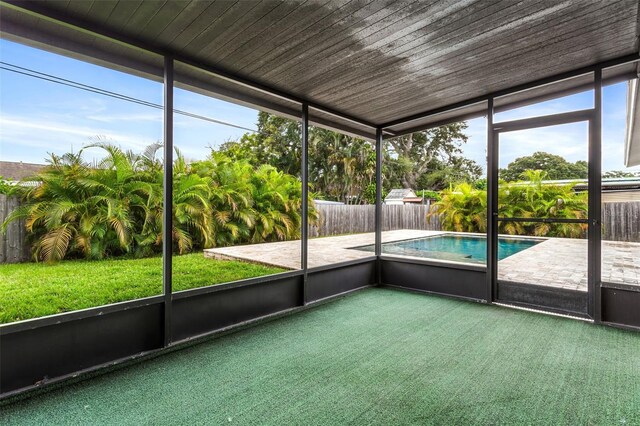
(378, 227)
(595, 198)
(304, 177)
(492, 206)
(167, 200)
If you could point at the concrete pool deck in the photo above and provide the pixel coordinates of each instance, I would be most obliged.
(322, 251)
(555, 262)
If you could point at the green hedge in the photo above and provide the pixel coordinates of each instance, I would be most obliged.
(114, 208)
(463, 208)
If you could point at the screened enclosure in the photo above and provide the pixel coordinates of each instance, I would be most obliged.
(286, 207)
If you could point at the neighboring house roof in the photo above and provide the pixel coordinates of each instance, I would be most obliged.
(18, 170)
(617, 184)
(327, 202)
(400, 194)
(632, 136)
(608, 184)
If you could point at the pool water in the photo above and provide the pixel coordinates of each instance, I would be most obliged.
(458, 248)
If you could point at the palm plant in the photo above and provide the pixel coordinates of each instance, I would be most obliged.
(462, 208)
(229, 198)
(83, 210)
(114, 207)
(277, 205)
(191, 212)
(251, 205)
(533, 198)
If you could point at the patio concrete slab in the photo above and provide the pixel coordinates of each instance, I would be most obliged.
(562, 263)
(322, 251)
(555, 262)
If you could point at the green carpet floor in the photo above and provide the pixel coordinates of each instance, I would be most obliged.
(377, 356)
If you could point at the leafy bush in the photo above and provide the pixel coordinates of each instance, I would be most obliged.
(428, 194)
(7, 186)
(461, 209)
(369, 193)
(114, 208)
(464, 209)
(534, 199)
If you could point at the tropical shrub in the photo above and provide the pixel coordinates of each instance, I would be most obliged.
(6, 186)
(114, 208)
(534, 199)
(84, 210)
(252, 205)
(429, 194)
(463, 208)
(369, 194)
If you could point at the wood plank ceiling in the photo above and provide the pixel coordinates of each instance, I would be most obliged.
(378, 60)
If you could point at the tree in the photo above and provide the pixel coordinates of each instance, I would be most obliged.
(555, 166)
(342, 167)
(277, 142)
(441, 175)
(419, 153)
(620, 174)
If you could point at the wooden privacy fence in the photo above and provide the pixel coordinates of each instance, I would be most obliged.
(620, 221)
(13, 246)
(336, 219)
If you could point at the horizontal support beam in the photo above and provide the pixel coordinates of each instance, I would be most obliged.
(618, 78)
(214, 288)
(437, 123)
(545, 121)
(34, 323)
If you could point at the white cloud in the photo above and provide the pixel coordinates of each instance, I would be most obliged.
(111, 118)
(31, 139)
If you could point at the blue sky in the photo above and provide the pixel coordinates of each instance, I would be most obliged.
(38, 117)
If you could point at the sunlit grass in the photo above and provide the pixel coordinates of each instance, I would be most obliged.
(30, 290)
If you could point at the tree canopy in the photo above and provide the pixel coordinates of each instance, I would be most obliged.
(342, 167)
(555, 167)
(616, 174)
(431, 159)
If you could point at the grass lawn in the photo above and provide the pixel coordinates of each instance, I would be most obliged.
(30, 290)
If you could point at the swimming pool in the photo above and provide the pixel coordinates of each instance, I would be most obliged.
(458, 248)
